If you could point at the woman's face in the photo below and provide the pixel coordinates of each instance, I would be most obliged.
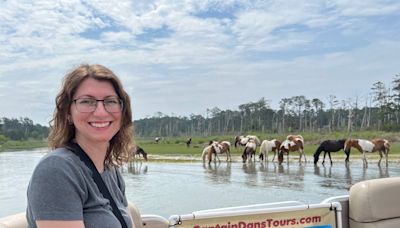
(100, 125)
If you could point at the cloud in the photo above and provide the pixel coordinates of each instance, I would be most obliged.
(183, 57)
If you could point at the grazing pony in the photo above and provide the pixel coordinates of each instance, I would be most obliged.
(366, 146)
(267, 146)
(157, 139)
(291, 145)
(240, 140)
(224, 147)
(139, 151)
(295, 137)
(188, 142)
(329, 146)
(212, 148)
(249, 150)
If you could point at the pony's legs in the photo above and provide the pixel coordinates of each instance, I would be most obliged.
(329, 154)
(380, 159)
(365, 163)
(204, 156)
(386, 156)
(217, 157)
(323, 161)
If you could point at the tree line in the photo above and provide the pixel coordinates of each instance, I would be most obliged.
(378, 110)
(21, 129)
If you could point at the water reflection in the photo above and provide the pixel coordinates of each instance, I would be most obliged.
(137, 167)
(218, 172)
(383, 171)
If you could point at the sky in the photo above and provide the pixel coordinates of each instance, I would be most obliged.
(184, 57)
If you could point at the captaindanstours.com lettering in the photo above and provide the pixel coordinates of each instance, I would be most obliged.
(267, 223)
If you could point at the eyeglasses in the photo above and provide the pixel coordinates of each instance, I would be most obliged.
(88, 105)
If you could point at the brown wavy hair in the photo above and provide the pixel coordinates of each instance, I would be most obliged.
(62, 131)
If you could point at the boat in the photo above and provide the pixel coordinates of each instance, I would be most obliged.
(370, 203)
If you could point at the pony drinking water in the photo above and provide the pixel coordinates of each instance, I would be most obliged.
(329, 146)
(292, 143)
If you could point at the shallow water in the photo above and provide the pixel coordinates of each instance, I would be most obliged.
(166, 188)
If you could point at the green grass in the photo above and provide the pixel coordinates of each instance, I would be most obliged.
(177, 145)
(22, 145)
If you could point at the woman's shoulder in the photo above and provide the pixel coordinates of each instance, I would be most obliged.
(59, 158)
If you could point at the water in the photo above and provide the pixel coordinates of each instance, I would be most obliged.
(164, 188)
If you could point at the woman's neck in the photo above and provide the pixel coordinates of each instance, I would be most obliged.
(96, 151)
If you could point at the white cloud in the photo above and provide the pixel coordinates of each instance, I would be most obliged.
(214, 53)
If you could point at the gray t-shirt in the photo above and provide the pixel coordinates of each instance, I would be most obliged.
(62, 188)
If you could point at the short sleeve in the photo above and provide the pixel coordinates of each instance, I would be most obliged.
(57, 190)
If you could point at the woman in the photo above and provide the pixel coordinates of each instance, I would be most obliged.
(93, 111)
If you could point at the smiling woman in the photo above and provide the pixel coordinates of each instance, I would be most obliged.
(78, 184)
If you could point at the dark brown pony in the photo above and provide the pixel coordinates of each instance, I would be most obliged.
(366, 146)
(188, 142)
(289, 146)
(139, 151)
(329, 146)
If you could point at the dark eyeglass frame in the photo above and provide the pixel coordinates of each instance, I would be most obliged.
(121, 103)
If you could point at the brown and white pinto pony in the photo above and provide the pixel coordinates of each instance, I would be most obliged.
(366, 146)
(267, 146)
(212, 148)
(241, 140)
(295, 137)
(250, 150)
(225, 148)
(295, 144)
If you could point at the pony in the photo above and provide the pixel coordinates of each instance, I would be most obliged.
(329, 146)
(295, 137)
(188, 142)
(157, 139)
(249, 150)
(212, 148)
(289, 146)
(366, 146)
(139, 151)
(224, 147)
(267, 146)
(240, 140)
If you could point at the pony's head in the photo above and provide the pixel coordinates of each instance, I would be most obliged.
(316, 156)
(280, 157)
(244, 156)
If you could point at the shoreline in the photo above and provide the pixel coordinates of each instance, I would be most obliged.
(395, 158)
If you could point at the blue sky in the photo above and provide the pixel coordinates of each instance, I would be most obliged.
(183, 57)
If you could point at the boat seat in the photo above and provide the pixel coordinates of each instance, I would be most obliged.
(375, 203)
(19, 220)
